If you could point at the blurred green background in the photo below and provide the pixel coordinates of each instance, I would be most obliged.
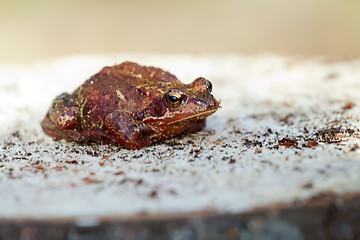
(31, 30)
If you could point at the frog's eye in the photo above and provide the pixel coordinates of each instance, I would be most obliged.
(209, 86)
(174, 99)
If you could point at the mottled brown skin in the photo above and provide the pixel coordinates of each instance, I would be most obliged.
(131, 105)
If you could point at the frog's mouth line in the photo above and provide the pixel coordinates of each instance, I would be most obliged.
(193, 116)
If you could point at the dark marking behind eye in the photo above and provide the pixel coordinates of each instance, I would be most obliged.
(156, 109)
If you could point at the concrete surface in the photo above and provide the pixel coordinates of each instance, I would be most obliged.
(288, 130)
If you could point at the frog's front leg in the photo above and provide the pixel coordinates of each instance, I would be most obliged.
(129, 132)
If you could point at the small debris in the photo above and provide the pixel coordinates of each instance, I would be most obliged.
(153, 194)
(288, 142)
(349, 105)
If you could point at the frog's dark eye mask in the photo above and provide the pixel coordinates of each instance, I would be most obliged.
(174, 99)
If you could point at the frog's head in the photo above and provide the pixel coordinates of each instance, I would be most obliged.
(181, 105)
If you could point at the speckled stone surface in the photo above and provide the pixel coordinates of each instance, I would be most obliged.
(288, 130)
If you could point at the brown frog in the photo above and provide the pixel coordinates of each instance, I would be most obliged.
(131, 105)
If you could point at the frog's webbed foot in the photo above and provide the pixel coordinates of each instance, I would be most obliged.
(128, 132)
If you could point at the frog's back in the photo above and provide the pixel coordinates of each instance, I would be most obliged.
(131, 83)
(143, 73)
(126, 86)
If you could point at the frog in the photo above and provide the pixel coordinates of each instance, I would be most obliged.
(130, 105)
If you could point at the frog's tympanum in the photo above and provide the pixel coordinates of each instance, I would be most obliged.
(130, 105)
